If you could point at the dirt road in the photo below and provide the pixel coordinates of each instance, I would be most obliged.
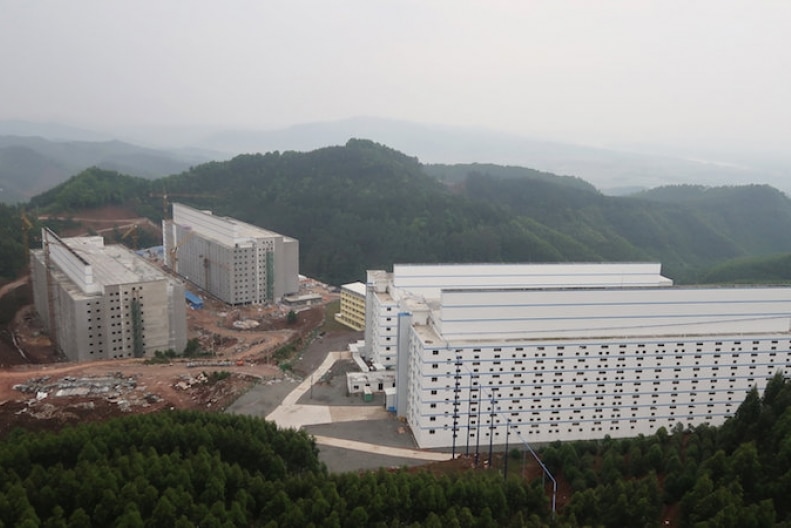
(13, 285)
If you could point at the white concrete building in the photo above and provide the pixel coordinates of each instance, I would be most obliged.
(234, 261)
(105, 302)
(569, 351)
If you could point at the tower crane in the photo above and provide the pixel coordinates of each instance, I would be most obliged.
(134, 231)
(164, 195)
(173, 252)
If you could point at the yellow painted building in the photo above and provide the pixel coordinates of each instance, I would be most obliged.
(352, 313)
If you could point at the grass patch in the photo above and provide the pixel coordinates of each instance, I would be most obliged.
(216, 376)
(286, 366)
(192, 350)
(330, 324)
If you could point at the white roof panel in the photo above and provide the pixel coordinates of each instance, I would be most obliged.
(429, 279)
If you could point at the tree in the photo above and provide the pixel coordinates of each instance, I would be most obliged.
(357, 517)
(131, 517)
(192, 348)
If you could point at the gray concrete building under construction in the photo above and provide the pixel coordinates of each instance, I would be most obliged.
(236, 262)
(105, 302)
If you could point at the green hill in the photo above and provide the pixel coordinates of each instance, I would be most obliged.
(752, 270)
(12, 252)
(363, 206)
(92, 187)
(460, 172)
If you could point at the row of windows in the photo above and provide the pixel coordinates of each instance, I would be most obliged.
(502, 428)
(604, 349)
(619, 362)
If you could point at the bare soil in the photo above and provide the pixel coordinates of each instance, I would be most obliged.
(239, 358)
(244, 351)
(116, 223)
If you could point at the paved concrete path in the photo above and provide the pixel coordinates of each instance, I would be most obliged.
(290, 414)
(431, 456)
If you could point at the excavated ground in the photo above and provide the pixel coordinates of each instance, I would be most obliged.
(40, 391)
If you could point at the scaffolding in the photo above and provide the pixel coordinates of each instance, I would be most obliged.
(270, 276)
(138, 347)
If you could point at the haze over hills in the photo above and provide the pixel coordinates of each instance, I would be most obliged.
(612, 171)
(30, 165)
(364, 206)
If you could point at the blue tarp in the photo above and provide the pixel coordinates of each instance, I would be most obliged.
(194, 301)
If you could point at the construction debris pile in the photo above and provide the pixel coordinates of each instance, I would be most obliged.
(246, 324)
(213, 389)
(187, 382)
(115, 388)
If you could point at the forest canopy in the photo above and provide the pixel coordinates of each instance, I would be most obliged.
(365, 206)
(201, 469)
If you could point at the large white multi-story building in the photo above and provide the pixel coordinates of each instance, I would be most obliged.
(550, 352)
(234, 261)
(104, 302)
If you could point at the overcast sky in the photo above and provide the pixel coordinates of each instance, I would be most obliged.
(597, 72)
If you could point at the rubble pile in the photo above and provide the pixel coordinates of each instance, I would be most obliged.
(246, 324)
(208, 391)
(186, 382)
(114, 388)
(70, 386)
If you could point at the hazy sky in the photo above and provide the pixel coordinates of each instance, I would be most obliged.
(598, 72)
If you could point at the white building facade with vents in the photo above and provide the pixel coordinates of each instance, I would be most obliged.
(237, 262)
(537, 353)
(105, 302)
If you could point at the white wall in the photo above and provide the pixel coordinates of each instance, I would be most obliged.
(585, 389)
(499, 314)
(427, 280)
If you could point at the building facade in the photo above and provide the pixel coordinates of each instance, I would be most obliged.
(352, 310)
(582, 357)
(237, 262)
(105, 302)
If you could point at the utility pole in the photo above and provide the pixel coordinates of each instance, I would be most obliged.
(478, 425)
(469, 405)
(505, 455)
(491, 429)
(456, 391)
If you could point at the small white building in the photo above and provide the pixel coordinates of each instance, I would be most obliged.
(569, 351)
(375, 381)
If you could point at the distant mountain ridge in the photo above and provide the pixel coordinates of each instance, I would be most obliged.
(612, 171)
(31, 165)
(363, 206)
(615, 171)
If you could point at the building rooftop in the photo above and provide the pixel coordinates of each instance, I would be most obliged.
(113, 264)
(85, 266)
(355, 287)
(222, 229)
(428, 280)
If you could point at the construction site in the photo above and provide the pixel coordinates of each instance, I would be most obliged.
(235, 348)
